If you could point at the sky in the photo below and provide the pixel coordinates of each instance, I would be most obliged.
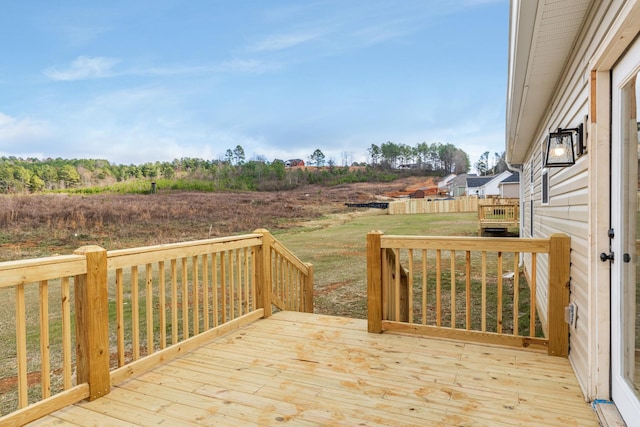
(144, 81)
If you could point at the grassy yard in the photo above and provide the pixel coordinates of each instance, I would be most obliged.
(336, 246)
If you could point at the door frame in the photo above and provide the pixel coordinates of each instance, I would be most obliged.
(622, 393)
(615, 41)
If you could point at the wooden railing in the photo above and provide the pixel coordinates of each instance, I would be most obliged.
(291, 279)
(132, 309)
(469, 289)
(498, 215)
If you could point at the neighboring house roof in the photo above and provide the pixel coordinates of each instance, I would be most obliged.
(461, 180)
(541, 38)
(473, 182)
(514, 178)
(446, 180)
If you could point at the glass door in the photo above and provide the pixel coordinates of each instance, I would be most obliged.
(625, 221)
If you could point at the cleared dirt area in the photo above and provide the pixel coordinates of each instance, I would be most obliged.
(44, 225)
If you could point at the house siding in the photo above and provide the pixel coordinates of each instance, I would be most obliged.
(568, 210)
(510, 191)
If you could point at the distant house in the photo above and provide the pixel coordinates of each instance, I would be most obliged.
(510, 187)
(459, 185)
(475, 185)
(445, 186)
(486, 186)
(293, 163)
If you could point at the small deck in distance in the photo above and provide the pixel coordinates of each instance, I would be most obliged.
(308, 369)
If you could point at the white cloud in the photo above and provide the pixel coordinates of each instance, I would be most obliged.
(84, 68)
(83, 35)
(285, 41)
(13, 130)
(247, 66)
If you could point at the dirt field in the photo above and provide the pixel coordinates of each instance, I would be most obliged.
(44, 225)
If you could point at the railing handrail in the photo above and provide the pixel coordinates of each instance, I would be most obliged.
(120, 258)
(20, 272)
(461, 243)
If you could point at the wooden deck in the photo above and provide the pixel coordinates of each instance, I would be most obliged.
(306, 369)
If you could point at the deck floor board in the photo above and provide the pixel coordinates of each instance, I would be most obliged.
(304, 369)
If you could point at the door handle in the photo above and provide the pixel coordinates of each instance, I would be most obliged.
(604, 257)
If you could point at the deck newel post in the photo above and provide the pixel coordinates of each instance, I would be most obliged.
(92, 323)
(308, 290)
(263, 272)
(559, 275)
(374, 281)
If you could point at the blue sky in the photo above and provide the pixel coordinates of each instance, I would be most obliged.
(138, 81)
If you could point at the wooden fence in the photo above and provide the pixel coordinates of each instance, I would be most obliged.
(132, 309)
(468, 289)
(425, 206)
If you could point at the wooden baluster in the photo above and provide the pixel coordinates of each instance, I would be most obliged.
(205, 292)
(424, 286)
(195, 289)
(499, 305)
(135, 313)
(185, 299)
(66, 333)
(516, 295)
(174, 301)
(45, 360)
(21, 346)
(468, 289)
(214, 288)
(533, 308)
(149, 307)
(410, 286)
(483, 314)
(163, 305)
(223, 286)
(438, 288)
(452, 259)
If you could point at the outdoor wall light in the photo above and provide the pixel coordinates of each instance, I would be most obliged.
(560, 151)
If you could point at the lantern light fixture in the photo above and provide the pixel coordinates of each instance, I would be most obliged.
(560, 150)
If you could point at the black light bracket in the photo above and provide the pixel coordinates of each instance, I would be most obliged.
(579, 130)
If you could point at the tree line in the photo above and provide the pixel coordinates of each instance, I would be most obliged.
(435, 157)
(233, 172)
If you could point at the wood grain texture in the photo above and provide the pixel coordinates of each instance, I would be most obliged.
(305, 369)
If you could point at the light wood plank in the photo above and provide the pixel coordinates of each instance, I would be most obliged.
(65, 295)
(45, 360)
(306, 369)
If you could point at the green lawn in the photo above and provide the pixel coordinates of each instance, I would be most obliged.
(336, 247)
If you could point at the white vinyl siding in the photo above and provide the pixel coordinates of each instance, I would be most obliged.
(567, 210)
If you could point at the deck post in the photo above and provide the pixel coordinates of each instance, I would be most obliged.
(559, 276)
(263, 272)
(92, 323)
(374, 281)
(308, 290)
